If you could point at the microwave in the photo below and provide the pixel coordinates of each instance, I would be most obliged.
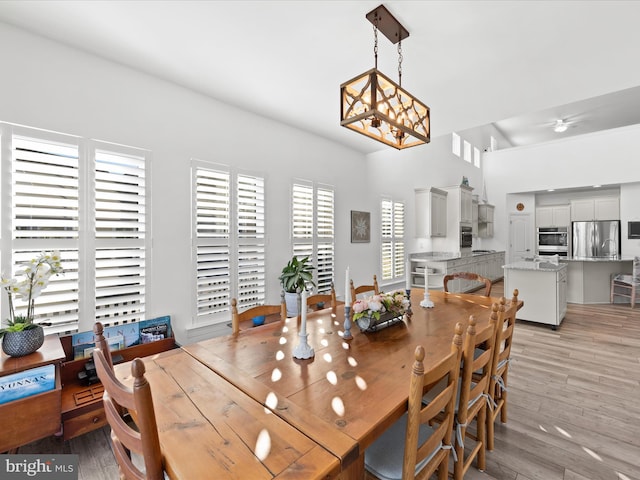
(634, 229)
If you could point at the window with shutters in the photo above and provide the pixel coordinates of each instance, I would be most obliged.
(86, 199)
(392, 252)
(312, 222)
(229, 236)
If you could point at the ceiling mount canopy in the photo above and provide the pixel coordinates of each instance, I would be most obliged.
(374, 105)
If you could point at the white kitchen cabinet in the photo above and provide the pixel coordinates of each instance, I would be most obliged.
(474, 218)
(543, 290)
(485, 220)
(488, 265)
(485, 213)
(607, 208)
(596, 208)
(466, 203)
(459, 205)
(553, 216)
(485, 230)
(431, 212)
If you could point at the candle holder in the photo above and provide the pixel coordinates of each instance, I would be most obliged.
(347, 322)
(409, 311)
(303, 350)
(426, 303)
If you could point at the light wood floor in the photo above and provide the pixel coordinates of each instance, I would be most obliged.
(574, 404)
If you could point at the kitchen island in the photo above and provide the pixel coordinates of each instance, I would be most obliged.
(589, 279)
(543, 287)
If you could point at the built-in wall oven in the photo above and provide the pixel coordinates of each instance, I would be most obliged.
(466, 236)
(553, 241)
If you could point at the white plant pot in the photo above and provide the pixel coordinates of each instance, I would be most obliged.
(292, 302)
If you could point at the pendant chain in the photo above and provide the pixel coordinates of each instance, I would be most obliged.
(400, 63)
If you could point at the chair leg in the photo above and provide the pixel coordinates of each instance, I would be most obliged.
(443, 468)
(481, 436)
(458, 466)
(503, 394)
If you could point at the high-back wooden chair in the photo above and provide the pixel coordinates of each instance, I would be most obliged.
(364, 288)
(500, 364)
(326, 298)
(477, 355)
(468, 276)
(412, 446)
(627, 286)
(137, 401)
(249, 313)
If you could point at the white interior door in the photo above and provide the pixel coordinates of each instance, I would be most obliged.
(520, 237)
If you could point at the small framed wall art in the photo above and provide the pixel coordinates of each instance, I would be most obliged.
(360, 227)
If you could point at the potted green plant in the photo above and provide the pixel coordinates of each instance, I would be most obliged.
(295, 276)
(22, 335)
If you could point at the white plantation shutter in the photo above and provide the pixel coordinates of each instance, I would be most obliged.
(398, 240)
(392, 252)
(45, 216)
(313, 230)
(325, 239)
(86, 199)
(229, 235)
(386, 227)
(303, 221)
(120, 236)
(251, 238)
(213, 216)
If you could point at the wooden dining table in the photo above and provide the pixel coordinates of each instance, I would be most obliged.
(351, 391)
(208, 428)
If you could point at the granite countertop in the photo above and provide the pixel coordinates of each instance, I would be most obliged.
(444, 256)
(536, 266)
(618, 258)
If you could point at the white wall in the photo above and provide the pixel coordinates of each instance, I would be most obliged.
(47, 85)
(603, 158)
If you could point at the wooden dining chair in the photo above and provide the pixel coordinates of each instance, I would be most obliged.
(475, 377)
(500, 364)
(258, 310)
(414, 445)
(364, 288)
(626, 285)
(127, 439)
(468, 276)
(326, 298)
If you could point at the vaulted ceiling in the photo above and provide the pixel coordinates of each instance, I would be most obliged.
(517, 64)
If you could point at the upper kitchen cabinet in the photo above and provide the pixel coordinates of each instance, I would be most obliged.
(460, 203)
(431, 212)
(553, 216)
(485, 220)
(597, 208)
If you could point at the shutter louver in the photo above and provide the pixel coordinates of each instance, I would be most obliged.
(325, 249)
(392, 239)
(213, 190)
(120, 230)
(251, 246)
(303, 222)
(45, 216)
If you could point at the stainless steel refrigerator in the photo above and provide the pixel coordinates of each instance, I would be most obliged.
(596, 239)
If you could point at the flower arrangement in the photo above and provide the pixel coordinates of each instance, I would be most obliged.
(35, 278)
(395, 302)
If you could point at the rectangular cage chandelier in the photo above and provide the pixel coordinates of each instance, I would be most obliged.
(374, 105)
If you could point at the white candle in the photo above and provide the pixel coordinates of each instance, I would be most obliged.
(303, 313)
(407, 272)
(426, 278)
(347, 290)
